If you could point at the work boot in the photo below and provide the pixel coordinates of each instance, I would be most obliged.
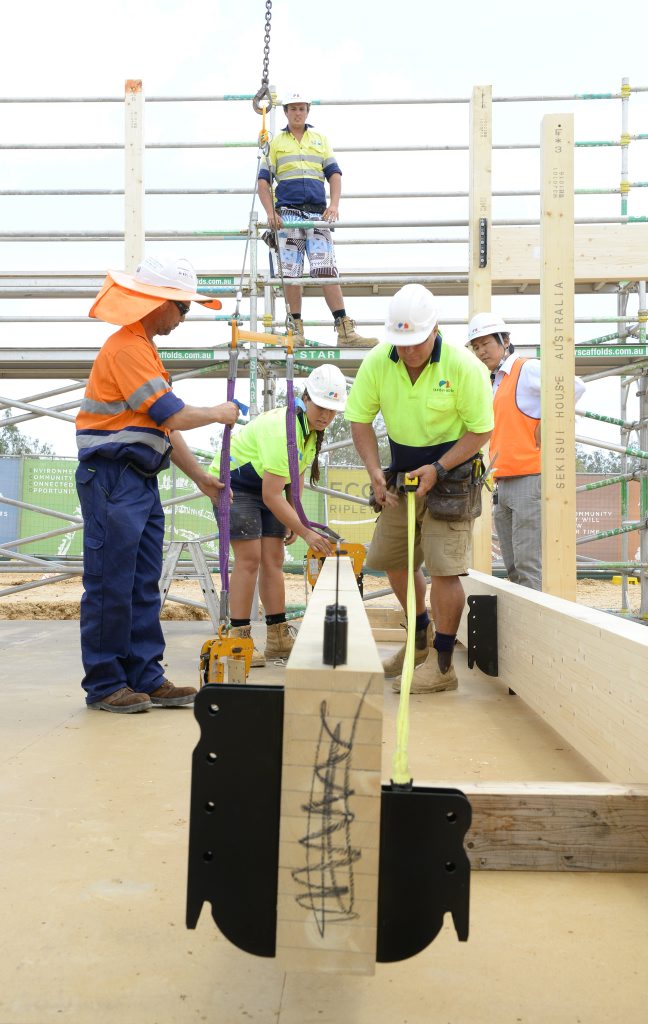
(280, 640)
(170, 696)
(348, 337)
(245, 632)
(430, 678)
(423, 640)
(123, 702)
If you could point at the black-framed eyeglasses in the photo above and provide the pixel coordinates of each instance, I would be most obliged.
(182, 306)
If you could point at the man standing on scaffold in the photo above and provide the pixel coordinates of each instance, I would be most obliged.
(299, 159)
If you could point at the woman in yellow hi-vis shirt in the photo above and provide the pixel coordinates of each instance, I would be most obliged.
(262, 518)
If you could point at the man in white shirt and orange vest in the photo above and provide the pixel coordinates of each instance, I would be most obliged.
(515, 447)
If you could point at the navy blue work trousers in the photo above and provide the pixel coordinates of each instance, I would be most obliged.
(121, 637)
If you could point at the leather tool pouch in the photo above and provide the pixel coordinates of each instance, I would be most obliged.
(457, 497)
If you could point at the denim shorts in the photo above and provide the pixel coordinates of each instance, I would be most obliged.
(250, 519)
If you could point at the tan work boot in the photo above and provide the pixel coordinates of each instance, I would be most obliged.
(429, 678)
(348, 337)
(123, 702)
(170, 696)
(245, 633)
(280, 640)
(394, 666)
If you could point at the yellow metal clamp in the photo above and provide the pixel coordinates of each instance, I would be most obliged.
(214, 653)
(314, 560)
(259, 337)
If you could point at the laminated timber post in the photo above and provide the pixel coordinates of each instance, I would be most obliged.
(557, 357)
(133, 175)
(479, 275)
(331, 791)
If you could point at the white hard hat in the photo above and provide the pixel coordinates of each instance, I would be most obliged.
(412, 316)
(166, 277)
(483, 324)
(294, 97)
(167, 272)
(327, 387)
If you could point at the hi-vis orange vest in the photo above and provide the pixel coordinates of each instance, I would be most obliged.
(514, 438)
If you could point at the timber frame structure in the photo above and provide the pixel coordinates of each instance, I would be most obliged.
(565, 674)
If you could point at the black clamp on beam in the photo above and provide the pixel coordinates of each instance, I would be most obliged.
(482, 633)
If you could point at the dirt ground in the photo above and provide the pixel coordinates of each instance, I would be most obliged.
(60, 600)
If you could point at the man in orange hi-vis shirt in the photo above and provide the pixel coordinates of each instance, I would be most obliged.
(128, 429)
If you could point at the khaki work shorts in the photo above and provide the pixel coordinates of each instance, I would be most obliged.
(444, 547)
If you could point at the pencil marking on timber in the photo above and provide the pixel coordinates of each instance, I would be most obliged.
(330, 855)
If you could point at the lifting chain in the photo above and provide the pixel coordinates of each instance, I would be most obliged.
(264, 91)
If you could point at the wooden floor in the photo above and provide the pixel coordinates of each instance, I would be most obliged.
(93, 874)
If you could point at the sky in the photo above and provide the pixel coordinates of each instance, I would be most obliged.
(337, 50)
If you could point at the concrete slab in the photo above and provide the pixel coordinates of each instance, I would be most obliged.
(93, 815)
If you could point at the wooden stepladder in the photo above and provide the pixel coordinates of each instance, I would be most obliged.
(199, 563)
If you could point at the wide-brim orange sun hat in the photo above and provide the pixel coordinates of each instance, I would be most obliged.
(125, 298)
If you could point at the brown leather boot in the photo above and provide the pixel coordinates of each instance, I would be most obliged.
(348, 337)
(280, 640)
(123, 702)
(245, 632)
(170, 696)
(429, 678)
(394, 666)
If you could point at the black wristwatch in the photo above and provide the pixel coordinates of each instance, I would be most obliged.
(441, 471)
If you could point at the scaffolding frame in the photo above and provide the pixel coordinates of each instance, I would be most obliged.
(259, 287)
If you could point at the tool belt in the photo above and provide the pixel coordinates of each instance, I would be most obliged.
(310, 208)
(457, 497)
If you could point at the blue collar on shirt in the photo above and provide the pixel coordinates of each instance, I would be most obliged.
(306, 126)
(300, 411)
(435, 354)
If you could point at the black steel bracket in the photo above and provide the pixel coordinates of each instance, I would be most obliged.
(483, 242)
(482, 633)
(424, 871)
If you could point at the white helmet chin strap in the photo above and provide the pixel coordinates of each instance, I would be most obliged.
(504, 357)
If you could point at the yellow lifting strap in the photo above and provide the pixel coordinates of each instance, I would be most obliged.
(400, 765)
